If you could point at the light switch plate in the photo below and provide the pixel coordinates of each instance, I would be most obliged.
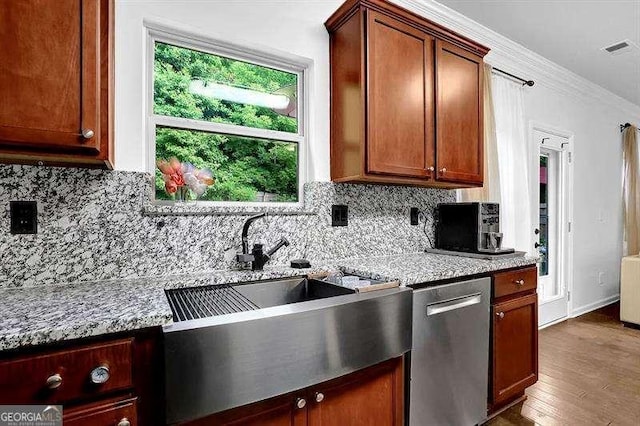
(339, 215)
(24, 217)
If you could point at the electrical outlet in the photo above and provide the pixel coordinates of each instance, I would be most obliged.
(24, 217)
(339, 215)
(413, 215)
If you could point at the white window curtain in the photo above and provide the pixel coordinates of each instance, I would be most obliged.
(510, 186)
(514, 158)
(490, 192)
(631, 191)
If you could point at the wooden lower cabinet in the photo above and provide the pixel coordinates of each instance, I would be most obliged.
(279, 411)
(109, 381)
(373, 396)
(105, 413)
(63, 376)
(514, 341)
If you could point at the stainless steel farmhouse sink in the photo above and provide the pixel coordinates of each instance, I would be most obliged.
(283, 292)
(231, 345)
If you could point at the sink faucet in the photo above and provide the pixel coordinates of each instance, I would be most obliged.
(257, 258)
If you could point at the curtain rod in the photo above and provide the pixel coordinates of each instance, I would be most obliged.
(525, 82)
(625, 125)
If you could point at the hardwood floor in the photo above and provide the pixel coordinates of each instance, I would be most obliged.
(589, 375)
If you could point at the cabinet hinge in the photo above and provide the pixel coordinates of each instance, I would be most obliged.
(570, 155)
(569, 227)
(568, 296)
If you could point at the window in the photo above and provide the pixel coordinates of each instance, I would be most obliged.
(240, 115)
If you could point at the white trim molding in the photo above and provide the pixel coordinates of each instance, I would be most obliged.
(549, 324)
(517, 59)
(595, 305)
(566, 272)
(189, 38)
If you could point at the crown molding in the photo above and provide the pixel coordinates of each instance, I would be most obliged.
(515, 58)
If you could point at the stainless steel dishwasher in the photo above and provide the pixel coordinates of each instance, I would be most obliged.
(450, 354)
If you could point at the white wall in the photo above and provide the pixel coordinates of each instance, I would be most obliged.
(597, 195)
(295, 27)
(559, 99)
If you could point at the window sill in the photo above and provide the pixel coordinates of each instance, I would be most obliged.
(208, 209)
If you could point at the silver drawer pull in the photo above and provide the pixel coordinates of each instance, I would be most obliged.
(301, 403)
(319, 397)
(100, 374)
(87, 133)
(500, 315)
(124, 422)
(519, 282)
(450, 305)
(54, 381)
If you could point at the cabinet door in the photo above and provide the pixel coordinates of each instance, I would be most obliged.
(515, 347)
(286, 410)
(49, 75)
(400, 98)
(370, 397)
(459, 106)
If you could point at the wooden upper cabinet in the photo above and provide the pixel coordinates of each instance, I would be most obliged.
(55, 81)
(459, 108)
(396, 79)
(400, 91)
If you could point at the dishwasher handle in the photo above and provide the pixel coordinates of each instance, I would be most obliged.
(452, 304)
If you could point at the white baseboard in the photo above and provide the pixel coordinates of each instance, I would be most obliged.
(549, 324)
(595, 305)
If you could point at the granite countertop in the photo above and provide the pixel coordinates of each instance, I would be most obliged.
(418, 268)
(47, 314)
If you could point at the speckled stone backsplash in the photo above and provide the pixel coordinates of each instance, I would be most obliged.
(95, 225)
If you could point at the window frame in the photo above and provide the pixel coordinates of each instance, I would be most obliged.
(188, 39)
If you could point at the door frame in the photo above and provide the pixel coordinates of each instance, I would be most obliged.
(567, 225)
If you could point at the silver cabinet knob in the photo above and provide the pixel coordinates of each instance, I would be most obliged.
(124, 422)
(443, 170)
(500, 315)
(319, 397)
(87, 133)
(100, 375)
(519, 282)
(431, 169)
(301, 403)
(54, 381)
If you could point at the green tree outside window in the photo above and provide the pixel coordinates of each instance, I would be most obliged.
(243, 167)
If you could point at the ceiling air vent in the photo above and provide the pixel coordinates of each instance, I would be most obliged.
(621, 47)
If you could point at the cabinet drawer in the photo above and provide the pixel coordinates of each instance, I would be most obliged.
(512, 282)
(62, 376)
(118, 413)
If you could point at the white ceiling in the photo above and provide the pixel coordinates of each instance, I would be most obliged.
(571, 33)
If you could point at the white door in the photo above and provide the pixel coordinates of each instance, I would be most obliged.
(553, 210)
